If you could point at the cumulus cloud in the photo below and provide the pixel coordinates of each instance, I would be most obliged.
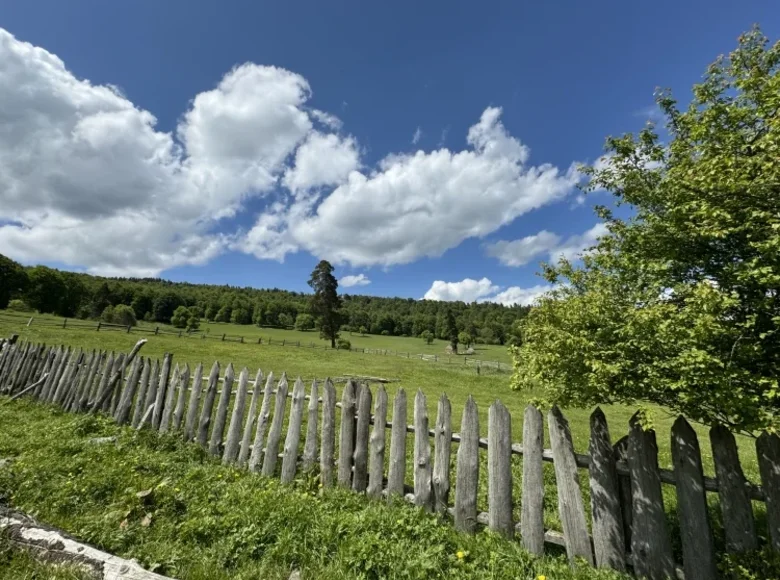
(359, 280)
(426, 203)
(87, 178)
(469, 290)
(552, 246)
(417, 136)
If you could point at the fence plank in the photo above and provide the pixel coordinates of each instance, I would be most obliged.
(423, 470)
(262, 425)
(236, 419)
(44, 395)
(218, 432)
(695, 528)
(170, 394)
(142, 389)
(128, 394)
(251, 416)
(190, 422)
(608, 537)
(347, 433)
(467, 476)
(376, 462)
(275, 434)
(290, 453)
(328, 439)
(768, 451)
(64, 380)
(397, 468)
(45, 371)
(310, 445)
(532, 508)
(162, 385)
(500, 470)
(360, 473)
(620, 449)
(570, 505)
(651, 547)
(184, 383)
(58, 372)
(113, 401)
(442, 445)
(738, 523)
(208, 405)
(72, 402)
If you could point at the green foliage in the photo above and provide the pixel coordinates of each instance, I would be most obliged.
(343, 344)
(193, 323)
(165, 305)
(385, 333)
(240, 316)
(325, 303)
(465, 338)
(285, 320)
(19, 305)
(427, 336)
(679, 305)
(45, 289)
(304, 322)
(363, 330)
(755, 565)
(13, 280)
(119, 314)
(180, 317)
(451, 330)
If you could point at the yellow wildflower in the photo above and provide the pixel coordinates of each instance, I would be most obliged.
(461, 554)
(541, 577)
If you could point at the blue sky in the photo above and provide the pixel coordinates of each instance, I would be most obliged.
(405, 141)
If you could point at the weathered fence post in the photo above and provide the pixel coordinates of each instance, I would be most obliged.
(162, 386)
(695, 528)
(570, 506)
(467, 476)
(178, 412)
(441, 455)
(208, 405)
(310, 444)
(608, 537)
(165, 419)
(360, 473)
(246, 439)
(397, 468)
(768, 451)
(236, 419)
(262, 425)
(190, 422)
(328, 439)
(347, 434)
(144, 385)
(532, 507)
(423, 471)
(500, 470)
(275, 434)
(651, 547)
(290, 453)
(126, 400)
(377, 453)
(215, 444)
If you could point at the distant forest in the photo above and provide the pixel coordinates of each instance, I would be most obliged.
(77, 295)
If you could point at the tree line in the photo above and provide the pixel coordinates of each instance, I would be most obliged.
(126, 300)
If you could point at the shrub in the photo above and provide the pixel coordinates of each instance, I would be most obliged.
(427, 336)
(180, 317)
(19, 306)
(343, 344)
(124, 315)
(385, 333)
(304, 322)
(193, 323)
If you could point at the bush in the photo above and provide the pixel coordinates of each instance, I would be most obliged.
(180, 317)
(304, 322)
(385, 333)
(343, 344)
(124, 315)
(193, 323)
(427, 336)
(19, 306)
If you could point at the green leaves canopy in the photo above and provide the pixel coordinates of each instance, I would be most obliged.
(680, 304)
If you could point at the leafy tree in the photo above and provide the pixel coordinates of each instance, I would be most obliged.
(13, 280)
(241, 316)
(45, 289)
(285, 320)
(451, 330)
(304, 322)
(165, 305)
(223, 315)
(344, 344)
(427, 336)
(680, 304)
(211, 311)
(362, 331)
(193, 322)
(19, 305)
(141, 304)
(325, 303)
(100, 299)
(180, 317)
(124, 315)
(74, 295)
(465, 338)
(108, 314)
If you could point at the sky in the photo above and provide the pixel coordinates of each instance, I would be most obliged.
(426, 149)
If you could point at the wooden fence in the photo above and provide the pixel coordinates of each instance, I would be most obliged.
(628, 528)
(479, 365)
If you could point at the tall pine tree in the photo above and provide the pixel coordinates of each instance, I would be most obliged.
(325, 303)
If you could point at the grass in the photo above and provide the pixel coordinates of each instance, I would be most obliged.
(201, 520)
(18, 564)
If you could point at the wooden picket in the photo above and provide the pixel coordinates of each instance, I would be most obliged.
(627, 517)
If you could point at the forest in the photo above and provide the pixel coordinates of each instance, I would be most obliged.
(79, 295)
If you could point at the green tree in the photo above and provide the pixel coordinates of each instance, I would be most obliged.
(223, 314)
(45, 289)
(680, 304)
(241, 316)
(362, 331)
(325, 303)
(13, 280)
(124, 315)
(165, 305)
(211, 311)
(285, 320)
(465, 338)
(193, 323)
(427, 336)
(304, 322)
(451, 330)
(180, 317)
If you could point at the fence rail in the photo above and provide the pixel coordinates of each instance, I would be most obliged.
(627, 528)
(479, 365)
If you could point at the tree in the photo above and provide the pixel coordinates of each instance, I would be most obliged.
(193, 322)
(241, 316)
(680, 304)
(465, 338)
(124, 315)
(451, 330)
(211, 311)
(325, 303)
(285, 320)
(45, 289)
(223, 314)
(180, 317)
(427, 336)
(362, 331)
(304, 322)
(13, 280)
(165, 305)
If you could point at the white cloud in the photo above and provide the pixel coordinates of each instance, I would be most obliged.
(467, 290)
(326, 119)
(322, 160)
(426, 203)
(484, 290)
(417, 136)
(359, 280)
(522, 251)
